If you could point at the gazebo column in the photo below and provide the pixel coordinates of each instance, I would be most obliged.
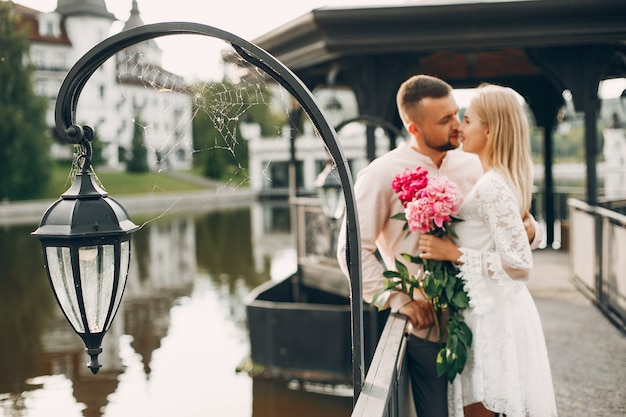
(375, 82)
(580, 69)
(545, 101)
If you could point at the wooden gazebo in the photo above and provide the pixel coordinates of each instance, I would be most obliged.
(537, 47)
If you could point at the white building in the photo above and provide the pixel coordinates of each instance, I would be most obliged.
(310, 155)
(131, 88)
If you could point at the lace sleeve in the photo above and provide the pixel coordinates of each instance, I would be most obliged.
(498, 269)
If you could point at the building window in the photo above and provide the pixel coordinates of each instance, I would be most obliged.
(40, 88)
(49, 25)
(59, 61)
(38, 59)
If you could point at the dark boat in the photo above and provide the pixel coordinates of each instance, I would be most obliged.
(300, 326)
(302, 332)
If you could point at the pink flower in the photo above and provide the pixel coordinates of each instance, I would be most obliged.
(432, 207)
(418, 214)
(409, 183)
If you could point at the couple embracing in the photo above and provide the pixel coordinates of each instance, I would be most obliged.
(507, 372)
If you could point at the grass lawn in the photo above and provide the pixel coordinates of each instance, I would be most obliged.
(118, 183)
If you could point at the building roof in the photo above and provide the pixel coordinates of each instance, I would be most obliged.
(134, 20)
(28, 20)
(83, 7)
(451, 34)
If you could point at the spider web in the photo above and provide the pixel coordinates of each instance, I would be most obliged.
(193, 127)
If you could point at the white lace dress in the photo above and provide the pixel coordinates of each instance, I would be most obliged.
(507, 367)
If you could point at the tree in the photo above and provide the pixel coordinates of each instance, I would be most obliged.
(138, 161)
(24, 147)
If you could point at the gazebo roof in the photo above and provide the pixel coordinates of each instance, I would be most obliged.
(327, 34)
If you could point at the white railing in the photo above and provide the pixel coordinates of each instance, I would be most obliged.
(597, 238)
(386, 390)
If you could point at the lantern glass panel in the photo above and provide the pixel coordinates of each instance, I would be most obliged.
(124, 261)
(97, 274)
(332, 202)
(60, 270)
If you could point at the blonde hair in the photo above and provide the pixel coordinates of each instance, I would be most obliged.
(508, 143)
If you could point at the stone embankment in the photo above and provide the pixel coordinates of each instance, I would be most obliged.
(150, 204)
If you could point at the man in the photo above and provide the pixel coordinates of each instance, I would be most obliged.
(430, 115)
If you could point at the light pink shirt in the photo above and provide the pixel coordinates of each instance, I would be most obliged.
(377, 202)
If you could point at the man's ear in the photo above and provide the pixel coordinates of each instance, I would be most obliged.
(412, 129)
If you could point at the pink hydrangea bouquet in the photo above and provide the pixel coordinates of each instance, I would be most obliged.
(430, 206)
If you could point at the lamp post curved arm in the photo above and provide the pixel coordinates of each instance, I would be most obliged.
(68, 130)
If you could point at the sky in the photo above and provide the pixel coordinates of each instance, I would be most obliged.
(247, 19)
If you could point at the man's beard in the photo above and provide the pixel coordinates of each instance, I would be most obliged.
(443, 147)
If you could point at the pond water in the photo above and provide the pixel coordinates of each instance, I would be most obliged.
(178, 338)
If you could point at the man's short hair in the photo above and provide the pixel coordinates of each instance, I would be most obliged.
(417, 88)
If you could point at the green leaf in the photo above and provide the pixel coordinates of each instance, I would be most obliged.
(452, 344)
(392, 274)
(450, 287)
(451, 358)
(430, 285)
(445, 363)
(464, 333)
(460, 300)
(440, 277)
(391, 284)
(402, 269)
(413, 259)
(380, 299)
(414, 285)
(457, 365)
(398, 216)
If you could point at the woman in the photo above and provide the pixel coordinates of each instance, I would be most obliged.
(507, 371)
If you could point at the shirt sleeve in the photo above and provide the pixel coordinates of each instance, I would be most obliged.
(498, 270)
(372, 196)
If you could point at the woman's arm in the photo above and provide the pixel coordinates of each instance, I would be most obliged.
(500, 212)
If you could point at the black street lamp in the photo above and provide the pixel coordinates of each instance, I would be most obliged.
(330, 192)
(85, 240)
(86, 232)
(334, 110)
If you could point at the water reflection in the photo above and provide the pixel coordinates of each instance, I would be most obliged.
(178, 337)
(26, 307)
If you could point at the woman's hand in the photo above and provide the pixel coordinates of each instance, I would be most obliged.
(438, 248)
